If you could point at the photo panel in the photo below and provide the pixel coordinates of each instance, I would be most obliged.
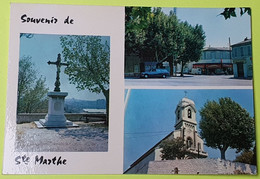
(188, 47)
(65, 93)
(189, 131)
(189, 102)
(53, 98)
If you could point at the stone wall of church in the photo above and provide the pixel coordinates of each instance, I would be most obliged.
(200, 166)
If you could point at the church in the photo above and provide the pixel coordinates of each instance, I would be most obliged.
(186, 128)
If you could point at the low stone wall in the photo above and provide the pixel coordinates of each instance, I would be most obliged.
(27, 118)
(200, 166)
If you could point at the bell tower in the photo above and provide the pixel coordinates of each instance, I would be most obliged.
(185, 113)
(186, 127)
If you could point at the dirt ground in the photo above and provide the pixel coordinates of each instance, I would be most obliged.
(88, 137)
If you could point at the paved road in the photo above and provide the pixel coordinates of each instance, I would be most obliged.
(190, 80)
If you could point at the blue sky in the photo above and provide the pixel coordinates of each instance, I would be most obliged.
(44, 47)
(217, 29)
(150, 116)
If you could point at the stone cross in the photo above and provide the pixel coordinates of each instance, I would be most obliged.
(185, 93)
(58, 63)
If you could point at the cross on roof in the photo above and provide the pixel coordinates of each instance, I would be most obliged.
(185, 93)
(58, 64)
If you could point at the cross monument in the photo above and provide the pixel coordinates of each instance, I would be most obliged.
(58, 64)
(55, 117)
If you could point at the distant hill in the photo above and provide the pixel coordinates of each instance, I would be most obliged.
(77, 105)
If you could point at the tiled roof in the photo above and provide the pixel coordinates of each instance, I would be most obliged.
(246, 41)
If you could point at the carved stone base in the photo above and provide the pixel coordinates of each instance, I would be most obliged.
(55, 116)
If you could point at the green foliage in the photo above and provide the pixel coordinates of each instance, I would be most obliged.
(194, 41)
(153, 35)
(160, 38)
(247, 156)
(88, 58)
(35, 100)
(173, 148)
(136, 22)
(32, 91)
(231, 12)
(226, 124)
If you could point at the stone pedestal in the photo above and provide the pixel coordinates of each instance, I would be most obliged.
(55, 116)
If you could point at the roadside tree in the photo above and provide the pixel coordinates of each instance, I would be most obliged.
(194, 41)
(163, 39)
(136, 22)
(225, 124)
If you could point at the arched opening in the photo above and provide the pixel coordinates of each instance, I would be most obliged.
(189, 113)
(189, 142)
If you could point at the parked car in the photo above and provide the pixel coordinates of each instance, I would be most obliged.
(155, 73)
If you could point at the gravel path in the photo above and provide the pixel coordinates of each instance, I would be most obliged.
(88, 137)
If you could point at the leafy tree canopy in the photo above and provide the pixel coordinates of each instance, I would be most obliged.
(32, 91)
(136, 22)
(247, 156)
(226, 124)
(231, 12)
(88, 58)
(194, 41)
(173, 148)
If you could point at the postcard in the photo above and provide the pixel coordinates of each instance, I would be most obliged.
(65, 90)
(129, 90)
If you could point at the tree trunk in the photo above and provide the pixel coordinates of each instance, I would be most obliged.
(182, 64)
(223, 151)
(170, 60)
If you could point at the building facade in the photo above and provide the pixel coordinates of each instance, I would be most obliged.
(242, 59)
(215, 60)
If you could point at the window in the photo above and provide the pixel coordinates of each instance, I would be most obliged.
(226, 55)
(208, 55)
(204, 57)
(235, 52)
(249, 50)
(213, 55)
(189, 113)
(218, 55)
(189, 142)
(199, 146)
(242, 51)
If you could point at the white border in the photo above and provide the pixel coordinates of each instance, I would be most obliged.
(88, 20)
(190, 87)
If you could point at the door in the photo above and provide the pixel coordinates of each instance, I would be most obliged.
(240, 69)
